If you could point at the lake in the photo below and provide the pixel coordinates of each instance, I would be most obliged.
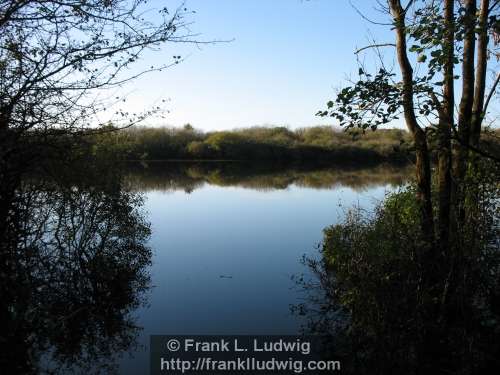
(103, 256)
(227, 240)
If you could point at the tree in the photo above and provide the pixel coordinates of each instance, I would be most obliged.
(431, 39)
(58, 57)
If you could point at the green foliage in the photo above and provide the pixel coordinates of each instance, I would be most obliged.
(376, 97)
(366, 254)
(396, 308)
(227, 144)
(199, 150)
(370, 102)
(318, 143)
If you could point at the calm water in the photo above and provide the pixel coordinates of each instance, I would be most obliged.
(226, 243)
(96, 258)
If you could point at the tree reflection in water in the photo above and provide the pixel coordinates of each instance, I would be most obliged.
(74, 265)
(189, 176)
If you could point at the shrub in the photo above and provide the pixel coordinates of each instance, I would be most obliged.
(394, 309)
(200, 150)
(317, 143)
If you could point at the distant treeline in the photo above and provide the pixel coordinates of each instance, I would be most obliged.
(319, 143)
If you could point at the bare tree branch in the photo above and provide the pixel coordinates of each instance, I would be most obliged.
(365, 17)
(491, 93)
(374, 46)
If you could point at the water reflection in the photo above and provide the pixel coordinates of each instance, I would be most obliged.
(75, 261)
(189, 176)
(73, 266)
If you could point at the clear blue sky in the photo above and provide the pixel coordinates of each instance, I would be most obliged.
(285, 62)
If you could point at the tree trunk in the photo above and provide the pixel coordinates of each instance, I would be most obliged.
(444, 129)
(480, 82)
(461, 144)
(423, 170)
(468, 214)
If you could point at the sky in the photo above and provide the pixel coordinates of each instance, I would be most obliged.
(283, 60)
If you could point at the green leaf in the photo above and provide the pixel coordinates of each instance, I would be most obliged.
(421, 58)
